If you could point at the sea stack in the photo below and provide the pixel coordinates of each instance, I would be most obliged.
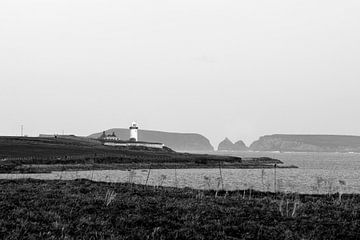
(227, 145)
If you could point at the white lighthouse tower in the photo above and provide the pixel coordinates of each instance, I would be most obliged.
(134, 132)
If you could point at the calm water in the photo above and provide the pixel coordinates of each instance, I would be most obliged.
(317, 172)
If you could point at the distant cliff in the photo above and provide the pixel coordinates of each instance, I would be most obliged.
(307, 143)
(227, 145)
(176, 141)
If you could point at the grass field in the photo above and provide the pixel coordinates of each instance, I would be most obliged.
(81, 209)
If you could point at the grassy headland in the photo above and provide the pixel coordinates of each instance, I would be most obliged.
(25, 154)
(81, 209)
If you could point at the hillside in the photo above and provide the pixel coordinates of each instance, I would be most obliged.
(175, 141)
(307, 143)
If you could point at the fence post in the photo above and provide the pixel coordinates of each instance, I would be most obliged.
(148, 175)
(275, 178)
(221, 178)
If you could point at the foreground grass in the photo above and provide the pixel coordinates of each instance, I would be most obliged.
(81, 209)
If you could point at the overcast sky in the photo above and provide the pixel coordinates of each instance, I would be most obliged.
(237, 69)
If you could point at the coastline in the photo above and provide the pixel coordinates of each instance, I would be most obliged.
(48, 168)
(37, 155)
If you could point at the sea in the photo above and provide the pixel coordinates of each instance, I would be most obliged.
(323, 173)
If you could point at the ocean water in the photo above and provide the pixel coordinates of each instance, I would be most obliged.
(317, 173)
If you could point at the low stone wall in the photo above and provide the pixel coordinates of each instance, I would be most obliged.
(135, 144)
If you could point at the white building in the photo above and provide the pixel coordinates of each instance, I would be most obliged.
(112, 140)
(134, 144)
(134, 132)
(111, 137)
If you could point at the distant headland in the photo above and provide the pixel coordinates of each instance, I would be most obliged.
(307, 143)
(276, 142)
(175, 141)
(297, 143)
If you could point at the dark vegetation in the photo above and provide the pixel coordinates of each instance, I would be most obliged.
(81, 209)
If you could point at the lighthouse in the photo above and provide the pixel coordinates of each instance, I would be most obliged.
(134, 132)
(112, 140)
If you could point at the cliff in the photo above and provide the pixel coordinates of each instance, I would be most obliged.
(175, 141)
(227, 145)
(307, 143)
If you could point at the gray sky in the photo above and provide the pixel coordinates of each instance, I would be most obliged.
(221, 68)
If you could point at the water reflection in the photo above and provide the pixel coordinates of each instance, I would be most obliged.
(291, 180)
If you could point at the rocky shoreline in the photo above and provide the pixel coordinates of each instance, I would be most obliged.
(249, 163)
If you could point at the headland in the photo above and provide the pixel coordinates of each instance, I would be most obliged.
(44, 154)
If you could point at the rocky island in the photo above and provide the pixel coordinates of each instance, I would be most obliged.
(227, 145)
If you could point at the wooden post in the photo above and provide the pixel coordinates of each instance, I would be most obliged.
(176, 181)
(147, 178)
(221, 178)
(275, 178)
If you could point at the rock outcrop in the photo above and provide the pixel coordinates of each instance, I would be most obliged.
(227, 145)
(307, 143)
(240, 146)
(175, 141)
